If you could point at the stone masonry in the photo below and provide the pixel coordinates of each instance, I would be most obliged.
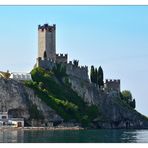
(47, 41)
(47, 58)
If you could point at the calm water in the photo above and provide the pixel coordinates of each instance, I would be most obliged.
(83, 136)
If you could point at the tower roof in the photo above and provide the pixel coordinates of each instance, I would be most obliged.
(46, 26)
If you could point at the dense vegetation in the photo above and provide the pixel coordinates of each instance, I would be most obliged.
(96, 76)
(54, 89)
(127, 98)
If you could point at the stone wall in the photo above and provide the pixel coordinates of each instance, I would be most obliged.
(60, 58)
(114, 113)
(45, 63)
(77, 71)
(47, 41)
(112, 85)
(80, 72)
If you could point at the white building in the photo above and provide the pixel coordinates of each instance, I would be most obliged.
(3, 118)
(12, 122)
(16, 122)
(20, 76)
(3, 115)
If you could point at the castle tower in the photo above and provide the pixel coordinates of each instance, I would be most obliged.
(47, 41)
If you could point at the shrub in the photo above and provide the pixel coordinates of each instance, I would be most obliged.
(61, 97)
(126, 96)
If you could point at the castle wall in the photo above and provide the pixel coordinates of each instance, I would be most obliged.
(47, 57)
(80, 72)
(47, 41)
(61, 58)
(112, 85)
(45, 63)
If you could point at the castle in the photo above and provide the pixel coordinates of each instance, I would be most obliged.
(48, 58)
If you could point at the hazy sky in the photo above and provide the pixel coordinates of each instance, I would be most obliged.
(115, 37)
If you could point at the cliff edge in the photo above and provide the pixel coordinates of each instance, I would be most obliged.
(21, 102)
(66, 99)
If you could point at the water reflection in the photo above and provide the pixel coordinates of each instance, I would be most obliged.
(11, 136)
(135, 136)
(82, 136)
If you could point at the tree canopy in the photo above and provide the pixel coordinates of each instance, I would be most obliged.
(100, 77)
(126, 96)
(96, 76)
(76, 62)
(92, 74)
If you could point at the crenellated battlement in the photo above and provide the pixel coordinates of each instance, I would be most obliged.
(61, 58)
(45, 59)
(47, 41)
(112, 85)
(80, 72)
(112, 81)
(61, 55)
(48, 58)
(70, 63)
(45, 63)
(46, 27)
(84, 67)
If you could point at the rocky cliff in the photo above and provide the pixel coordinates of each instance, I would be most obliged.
(116, 114)
(21, 101)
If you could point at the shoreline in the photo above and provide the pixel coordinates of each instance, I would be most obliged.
(57, 128)
(40, 128)
(53, 128)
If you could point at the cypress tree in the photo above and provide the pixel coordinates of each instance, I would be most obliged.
(92, 74)
(95, 75)
(100, 76)
(133, 103)
(76, 62)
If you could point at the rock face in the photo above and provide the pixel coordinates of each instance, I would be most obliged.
(115, 113)
(19, 100)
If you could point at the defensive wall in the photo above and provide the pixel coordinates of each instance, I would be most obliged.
(112, 85)
(61, 58)
(80, 72)
(77, 71)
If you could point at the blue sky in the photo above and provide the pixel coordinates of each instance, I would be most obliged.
(115, 37)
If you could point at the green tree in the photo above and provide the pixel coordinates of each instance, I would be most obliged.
(126, 96)
(92, 71)
(95, 76)
(100, 77)
(133, 103)
(41, 85)
(76, 62)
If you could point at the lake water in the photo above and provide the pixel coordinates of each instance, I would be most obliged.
(82, 136)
